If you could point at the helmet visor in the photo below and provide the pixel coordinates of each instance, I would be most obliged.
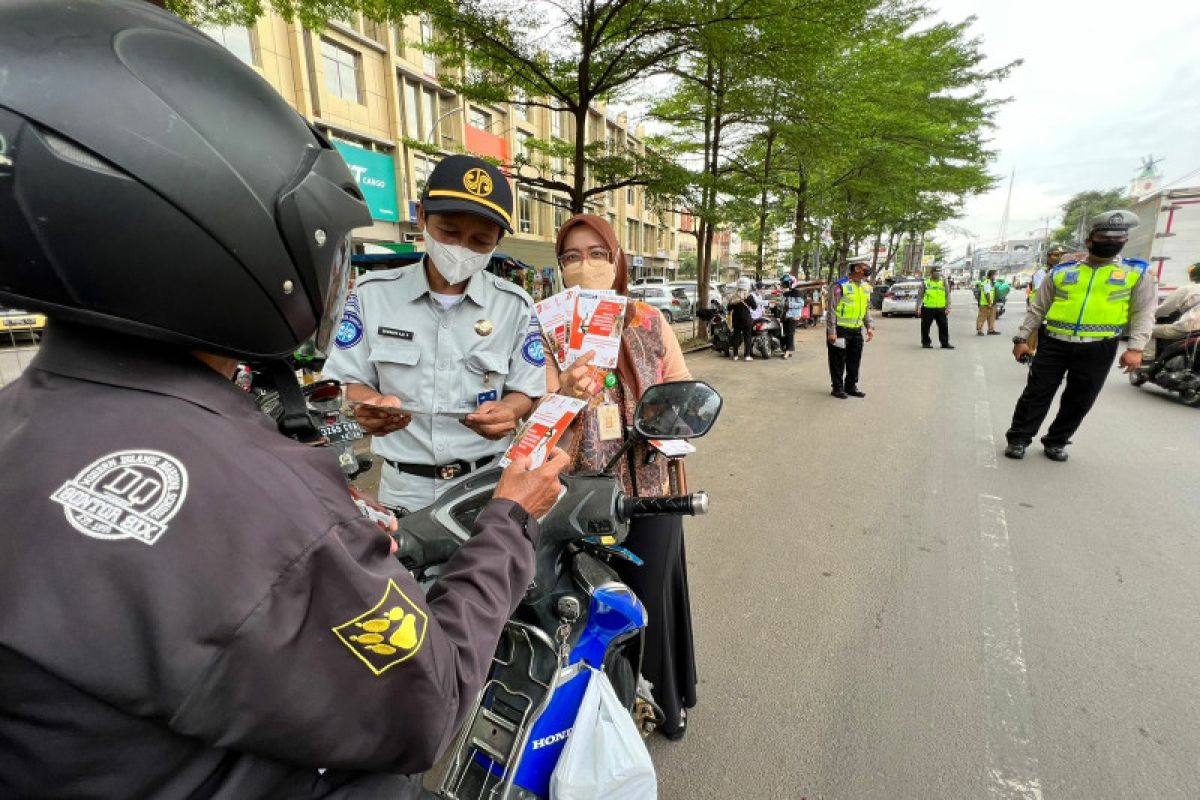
(335, 295)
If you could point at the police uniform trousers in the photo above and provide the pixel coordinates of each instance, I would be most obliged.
(930, 316)
(661, 583)
(844, 361)
(1085, 365)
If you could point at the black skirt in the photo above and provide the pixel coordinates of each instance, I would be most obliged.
(661, 584)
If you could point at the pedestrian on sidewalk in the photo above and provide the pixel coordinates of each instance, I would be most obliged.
(741, 308)
(933, 305)
(986, 297)
(793, 310)
(1085, 306)
(849, 314)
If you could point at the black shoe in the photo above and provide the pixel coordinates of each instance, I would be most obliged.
(839, 394)
(927, 346)
(855, 393)
(994, 333)
(1015, 450)
(679, 732)
(979, 333)
(947, 347)
(1056, 453)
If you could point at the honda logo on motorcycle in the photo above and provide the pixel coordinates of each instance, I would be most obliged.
(553, 738)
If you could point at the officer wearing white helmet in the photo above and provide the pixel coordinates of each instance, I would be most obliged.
(193, 606)
(1084, 308)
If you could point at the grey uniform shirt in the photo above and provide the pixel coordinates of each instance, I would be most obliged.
(1142, 304)
(398, 339)
(193, 606)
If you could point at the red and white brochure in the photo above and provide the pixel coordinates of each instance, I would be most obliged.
(596, 325)
(554, 315)
(673, 448)
(541, 432)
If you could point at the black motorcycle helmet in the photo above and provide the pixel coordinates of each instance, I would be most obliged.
(152, 184)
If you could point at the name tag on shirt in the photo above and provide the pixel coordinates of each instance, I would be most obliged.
(487, 397)
(395, 333)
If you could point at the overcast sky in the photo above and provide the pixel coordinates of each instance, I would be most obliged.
(1104, 83)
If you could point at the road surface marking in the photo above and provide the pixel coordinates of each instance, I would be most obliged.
(1012, 769)
(985, 440)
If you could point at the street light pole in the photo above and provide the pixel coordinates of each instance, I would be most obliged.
(438, 121)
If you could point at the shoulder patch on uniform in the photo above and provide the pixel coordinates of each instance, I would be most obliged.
(379, 275)
(534, 350)
(390, 632)
(130, 494)
(350, 331)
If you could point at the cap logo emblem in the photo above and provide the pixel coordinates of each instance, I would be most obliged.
(478, 182)
(1116, 219)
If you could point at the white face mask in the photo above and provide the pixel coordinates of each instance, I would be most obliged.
(455, 262)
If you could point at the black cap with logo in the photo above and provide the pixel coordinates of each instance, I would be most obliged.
(466, 184)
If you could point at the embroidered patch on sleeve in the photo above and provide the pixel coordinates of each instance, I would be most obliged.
(387, 634)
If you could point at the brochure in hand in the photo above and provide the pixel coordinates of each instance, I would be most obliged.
(597, 325)
(541, 432)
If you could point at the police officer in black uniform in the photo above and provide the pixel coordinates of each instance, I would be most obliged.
(193, 606)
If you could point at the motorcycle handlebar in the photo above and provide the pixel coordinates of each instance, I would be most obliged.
(691, 504)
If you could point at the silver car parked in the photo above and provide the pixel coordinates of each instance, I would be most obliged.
(673, 303)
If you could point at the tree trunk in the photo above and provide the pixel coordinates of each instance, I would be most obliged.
(579, 185)
(762, 203)
(801, 224)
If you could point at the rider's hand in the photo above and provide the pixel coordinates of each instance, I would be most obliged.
(1131, 360)
(579, 379)
(494, 420)
(378, 422)
(534, 490)
(1020, 350)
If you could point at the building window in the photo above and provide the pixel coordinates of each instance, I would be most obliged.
(560, 216)
(422, 166)
(428, 60)
(412, 111)
(480, 119)
(520, 111)
(556, 124)
(523, 145)
(631, 196)
(525, 207)
(428, 114)
(237, 40)
(631, 236)
(341, 71)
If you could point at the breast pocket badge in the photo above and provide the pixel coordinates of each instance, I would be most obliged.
(389, 633)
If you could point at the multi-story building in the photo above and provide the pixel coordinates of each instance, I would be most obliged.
(375, 93)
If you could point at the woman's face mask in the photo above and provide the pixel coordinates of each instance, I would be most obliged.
(590, 273)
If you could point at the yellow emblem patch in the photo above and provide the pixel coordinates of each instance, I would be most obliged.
(1118, 274)
(478, 182)
(388, 634)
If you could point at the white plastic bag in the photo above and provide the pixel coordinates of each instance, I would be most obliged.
(605, 758)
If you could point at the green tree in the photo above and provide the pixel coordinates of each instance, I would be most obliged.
(1084, 205)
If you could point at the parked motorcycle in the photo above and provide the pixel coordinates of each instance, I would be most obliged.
(1176, 368)
(718, 330)
(576, 614)
(768, 335)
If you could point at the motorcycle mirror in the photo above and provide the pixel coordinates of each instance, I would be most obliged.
(677, 410)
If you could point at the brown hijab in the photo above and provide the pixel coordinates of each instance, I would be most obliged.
(601, 227)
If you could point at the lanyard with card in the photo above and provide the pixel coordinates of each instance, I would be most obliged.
(489, 393)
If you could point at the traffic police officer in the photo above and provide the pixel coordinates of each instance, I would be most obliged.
(849, 313)
(933, 305)
(987, 299)
(455, 348)
(1084, 308)
(193, 606)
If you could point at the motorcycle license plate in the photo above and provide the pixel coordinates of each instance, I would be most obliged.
(341, 432)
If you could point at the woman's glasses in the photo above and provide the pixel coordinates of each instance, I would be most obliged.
(572, 258)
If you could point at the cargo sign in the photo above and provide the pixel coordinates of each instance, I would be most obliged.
(376, 176)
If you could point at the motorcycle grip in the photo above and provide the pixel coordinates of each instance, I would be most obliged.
(691, 504)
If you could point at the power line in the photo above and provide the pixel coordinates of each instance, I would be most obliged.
(1196, 171)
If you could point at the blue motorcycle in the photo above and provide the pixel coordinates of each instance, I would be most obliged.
(575, 615)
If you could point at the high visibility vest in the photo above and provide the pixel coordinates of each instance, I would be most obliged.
(987, 293)
(1092, 302)
(935, 294)
(852, 308)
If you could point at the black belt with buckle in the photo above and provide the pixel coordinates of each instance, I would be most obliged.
(445, 472)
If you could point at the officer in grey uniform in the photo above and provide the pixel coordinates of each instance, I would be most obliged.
(453, 351)
(193, 606)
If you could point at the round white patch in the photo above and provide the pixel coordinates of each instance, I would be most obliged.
(131, 494)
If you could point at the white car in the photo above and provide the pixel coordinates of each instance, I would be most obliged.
(901, 299)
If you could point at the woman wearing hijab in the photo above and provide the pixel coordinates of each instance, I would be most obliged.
(591, 258)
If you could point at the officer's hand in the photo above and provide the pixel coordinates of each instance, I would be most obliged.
(579, 379)
(493, 420)
(831, 338)
(1021, 350)
(535, 490)
(380, 415)
(947, 311)
(870, 334)
(1131, 360)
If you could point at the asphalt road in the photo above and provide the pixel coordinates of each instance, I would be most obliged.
(886, 607)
